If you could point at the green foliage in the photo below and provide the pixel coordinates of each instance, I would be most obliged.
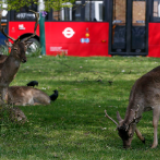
(56, 4)
(36, 53)
(74, 127)
(50, 4)
(29, 52)
(4, 50)
(17, 4)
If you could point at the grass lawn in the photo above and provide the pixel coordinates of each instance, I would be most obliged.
(74, 127)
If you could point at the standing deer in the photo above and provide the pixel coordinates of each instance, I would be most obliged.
(10, 66)
(144, 96)
(3, 58)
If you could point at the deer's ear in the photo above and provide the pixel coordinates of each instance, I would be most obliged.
(28, 43)
(8, 43)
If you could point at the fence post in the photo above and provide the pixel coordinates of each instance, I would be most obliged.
(42, 34)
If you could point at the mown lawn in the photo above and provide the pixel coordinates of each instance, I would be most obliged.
(74, 127)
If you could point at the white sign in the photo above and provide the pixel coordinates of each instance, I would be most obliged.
(55, 49)
(21, 27)
(59, 49)
(68, 32)
(25, 16)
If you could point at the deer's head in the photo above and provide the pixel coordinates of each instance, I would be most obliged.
(18, 47)
(16, 115)
(126, 128)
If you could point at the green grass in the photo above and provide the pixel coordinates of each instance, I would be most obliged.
(74, 127)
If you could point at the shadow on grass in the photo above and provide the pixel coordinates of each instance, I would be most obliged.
(71, 128)
(74, 126)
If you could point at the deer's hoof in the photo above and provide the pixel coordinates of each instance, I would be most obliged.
(153, 146)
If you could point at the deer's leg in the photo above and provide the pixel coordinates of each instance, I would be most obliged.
(1, 95)
(139, 135)
(156, 113)
(4, 93)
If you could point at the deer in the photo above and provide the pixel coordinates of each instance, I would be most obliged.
(3, 58)
(27, 96)
(144, 96)
(11, 64)
(16, 115)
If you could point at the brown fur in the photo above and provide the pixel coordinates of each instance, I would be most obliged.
(25, 95)
(17, 115)
(144, 96)
(11, 65)
(3, 58)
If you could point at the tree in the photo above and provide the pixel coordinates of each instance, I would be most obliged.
(49, 4)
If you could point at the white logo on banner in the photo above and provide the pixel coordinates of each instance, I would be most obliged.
(68, 32)
(21, 27)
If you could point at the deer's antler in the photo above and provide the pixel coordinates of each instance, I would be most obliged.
(37, 17)
(2, 29)
(106, 115)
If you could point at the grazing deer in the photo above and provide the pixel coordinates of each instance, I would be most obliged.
(25, 95)
(10, 66)
(144, 96)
